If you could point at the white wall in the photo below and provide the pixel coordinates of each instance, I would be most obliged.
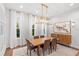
(3, 36)
(7, 29)
(73, 16)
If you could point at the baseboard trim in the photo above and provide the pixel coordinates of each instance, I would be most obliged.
(18, 46)
(68, 46)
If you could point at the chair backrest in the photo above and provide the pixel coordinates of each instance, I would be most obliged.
(46, 44)
(28, 43)
(36, 37)
(42, 36)
(53, 35)
(54, 41)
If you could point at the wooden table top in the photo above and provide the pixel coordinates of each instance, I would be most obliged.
(37, 42)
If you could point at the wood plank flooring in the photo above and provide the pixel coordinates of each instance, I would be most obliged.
(9, 51)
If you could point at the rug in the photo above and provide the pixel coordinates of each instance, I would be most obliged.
(61, 51)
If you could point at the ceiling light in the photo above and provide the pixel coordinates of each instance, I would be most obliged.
(36, 12)
(73, 23)
(71, 4)
(21, 6)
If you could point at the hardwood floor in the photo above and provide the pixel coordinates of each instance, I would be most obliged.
(8, 52)
(77, 54)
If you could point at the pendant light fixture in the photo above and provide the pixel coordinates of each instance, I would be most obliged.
(44, 13)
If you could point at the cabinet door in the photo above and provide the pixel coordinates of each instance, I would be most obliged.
(65, 40)
(68, 37)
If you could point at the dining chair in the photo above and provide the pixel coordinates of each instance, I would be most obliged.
(36, 37)
(42, 36)
(46, 46)
(53, 44)
(56, 36)
(53, 35)
(30, 47)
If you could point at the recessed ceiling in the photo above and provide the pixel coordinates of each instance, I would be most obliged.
(36, 9)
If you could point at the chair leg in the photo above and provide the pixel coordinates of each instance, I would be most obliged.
(27, 51)
(43, 52)
(34, 50)
(49, 51)
(30, 52)
(38, 52)
(55, 48)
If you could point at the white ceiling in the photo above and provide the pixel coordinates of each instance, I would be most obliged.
(53, 8)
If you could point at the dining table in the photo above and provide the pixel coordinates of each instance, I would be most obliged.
(40, 41)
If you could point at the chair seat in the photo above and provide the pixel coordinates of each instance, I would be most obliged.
(42, 45)
(32, 47)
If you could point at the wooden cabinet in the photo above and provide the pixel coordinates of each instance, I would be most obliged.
(63, 38)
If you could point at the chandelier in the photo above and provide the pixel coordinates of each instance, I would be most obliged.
(44, 18)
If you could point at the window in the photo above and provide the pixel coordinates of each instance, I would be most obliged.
(17, 30)
(44, 30)
(33, 30)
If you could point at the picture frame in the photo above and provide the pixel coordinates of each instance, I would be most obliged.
(63, 27)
